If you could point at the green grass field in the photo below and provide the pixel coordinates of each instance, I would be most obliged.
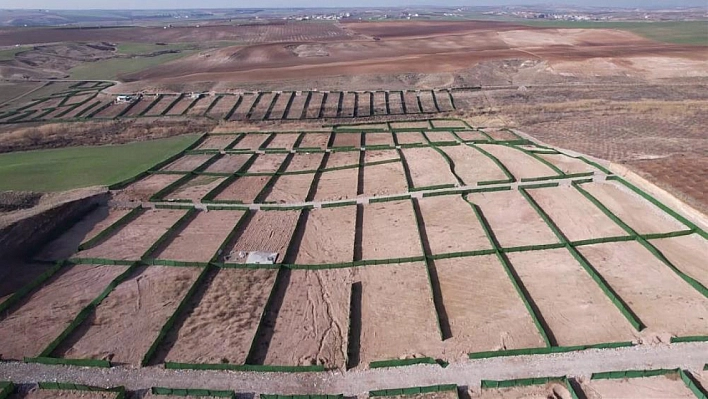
(75, 167)
(111, 69)
(9, 54)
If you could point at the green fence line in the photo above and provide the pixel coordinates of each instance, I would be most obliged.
(501, 166)
(237, 227)
(546, 350)
(655, 236)
(697, 389)
(451, 164)
(696, 338)
(18, 295)
(401, 362)
(6, 389)
(193, 392)
(521, 382)
(338, 204)
(173, 318)
(620, 375)
(436, 187)
(182, 221)
(406, 170)
(594, 164)
(174, 263)
(388, 199)
(263, 396)
(108, 231)
(119, 391)
(244, 367)
(102, 261)
(160, 195)
(541, 185)
(69, 362)
(415, 390)
(178, 205)
(536, 157)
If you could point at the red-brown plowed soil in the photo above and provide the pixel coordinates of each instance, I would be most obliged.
(145, 188)
(290, 188)
(305, 161)
(229, 163)
(384, 179)
(286, 141)
(188, 163)
(202, 237)
(196, 188)
(244, 189)
(337, 185)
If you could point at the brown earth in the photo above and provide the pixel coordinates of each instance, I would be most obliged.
(244, 189)
(196, 188)
(389, 231)
(658, 387)
(451, 226)
(549, 390)
(328, 237)
(521, 165)
(68, 394)
(267, 231)
(472, 166)
(687, 253)
(337, 185)
(290, 188)
(427, 167)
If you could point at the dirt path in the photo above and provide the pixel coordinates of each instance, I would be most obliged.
(690, 356)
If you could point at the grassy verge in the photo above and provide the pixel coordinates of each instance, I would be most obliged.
(112, 68)
(74, 167)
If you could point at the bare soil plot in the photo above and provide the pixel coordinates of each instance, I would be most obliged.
(390, 231)
(229, 163)
(315, 140)
(347, 140)
(471, 135)
(451, 225)
(313, 322)
(641, 215)
(313, 109)
(397, 320)
(659, 297)
(505, 211)
(577, 217)
(380, 103)
(202, 105)
(216, 331)
(278, 111)
(188, 163)
(410, 138)
(484, 310)
(380, 155)
(472, 166)
(41, 318)
(347, 105)
(246, 106)
(395, 102)
(142, 303)
(267, 163)
(161, 105)
(132, 240)
(342, 158)
(112, 110)
(244, 189)
(251, 141)
(181, 106)
(550, 390)
(283, 140)
(411, 101)
(427, 167)
(328, 236)
(88, 227)
(290, 188)
(68, 394)
(337, 185)
(223, 107)
(305, 161)
(568, 164)
(445, 123)
(500, 135)
(48, 103)
(451, 394)
(687, 253)
(217, 142)
(384, 179)
(195, 189)
(364, 104)
(297, 107)
(427, 101)
(332, 105)
(82, 109)
(573, 305)
(443, 100)
(145, 188)
(261, 109)
(372, 139)
(267, 231)
(201, 238)
(422, 125)
(520, 164)
(441, 137)
(16, 274)
(657, 387)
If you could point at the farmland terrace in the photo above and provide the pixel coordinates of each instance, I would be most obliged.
(407, 257)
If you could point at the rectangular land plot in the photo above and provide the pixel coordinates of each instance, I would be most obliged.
(577, 311)
(229, 163)
(283, 141)
(422, 125)
(427, 101)
(260, 111)
(140, 106)
(201, 106)
(483, 308)
(501, 135)
(132, 240)
(315, 105)
(82, 109)
(332, 105)
(404, 138)
(577, 217)
(244, 189)
(656, 387)
(451, 225)
(16, 274)
(549, 390)
(337, 185)
(267, 163)
(296, 110)
(411, 100)
(146, 187)
(217, 142)
(380, 103)
(142, 303)
(215, 329)
(471, 135)
(427, 167)
(520, 164)
(364, 104)
(347, 110)
(384, 179)
(347, 140)
(390, 231)
(640, 214)
(304, 161)
(87, 228)
(290, 188)
(339, 159)
(397, 320)
(68, 394)
(328, 236)
(686, 253)
(315, 140)
(267, 231)
(568, 164)
(161, 106)
(473, 166)
(201, 238)
(313, 322)
(223, 107)
(188, 163)
(195, 189)
(395, 103)
(447, 123)
(657, 295)
(251, 141)
(506, 211)
(371, 156)
(278, 111)
(112, 110)
(443, 100)
(438, 137)
(41, 318)
(181, 106)
(242, 110)
(378, 139)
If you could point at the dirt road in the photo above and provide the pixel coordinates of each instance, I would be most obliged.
(690, 356)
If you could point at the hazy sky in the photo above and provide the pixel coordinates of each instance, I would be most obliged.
(172, 4)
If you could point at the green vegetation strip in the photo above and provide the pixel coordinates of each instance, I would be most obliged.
(193, 392)
(415, 390)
